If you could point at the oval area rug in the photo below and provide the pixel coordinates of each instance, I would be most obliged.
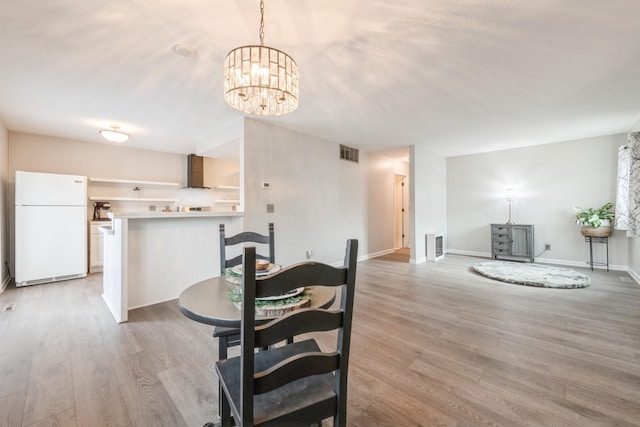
(532, 274)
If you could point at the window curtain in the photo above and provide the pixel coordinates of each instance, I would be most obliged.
(622, 188)
(633, 147)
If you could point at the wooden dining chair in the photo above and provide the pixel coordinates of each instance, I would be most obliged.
(229, 337)
(297, 383)
(245, 237)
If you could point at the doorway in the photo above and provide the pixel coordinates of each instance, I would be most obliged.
(401, 211)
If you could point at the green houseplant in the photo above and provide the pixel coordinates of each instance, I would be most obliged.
(595, 222)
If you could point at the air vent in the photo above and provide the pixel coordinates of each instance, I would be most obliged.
(349, 153)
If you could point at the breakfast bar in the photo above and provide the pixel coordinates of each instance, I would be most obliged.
(152, 257)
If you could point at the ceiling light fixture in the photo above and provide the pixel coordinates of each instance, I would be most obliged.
(114, 135)
(261, 80)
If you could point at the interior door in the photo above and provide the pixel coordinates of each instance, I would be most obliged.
(400, 211)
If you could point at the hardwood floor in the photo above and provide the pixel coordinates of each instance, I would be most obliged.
(433, 345)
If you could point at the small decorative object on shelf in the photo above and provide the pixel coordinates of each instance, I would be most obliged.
(595, 222)
(136, 191)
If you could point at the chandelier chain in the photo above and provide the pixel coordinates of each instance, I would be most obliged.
(261, 22)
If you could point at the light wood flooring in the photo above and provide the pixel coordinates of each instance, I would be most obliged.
(433, 345)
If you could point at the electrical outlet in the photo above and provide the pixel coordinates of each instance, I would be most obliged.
(547, 247)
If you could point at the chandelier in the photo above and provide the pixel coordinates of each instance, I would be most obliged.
(261, 80)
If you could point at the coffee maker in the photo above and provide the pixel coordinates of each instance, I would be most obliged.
(100, 210)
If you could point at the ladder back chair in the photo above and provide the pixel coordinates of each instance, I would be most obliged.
(228, 337)
(294, 384)
(245, 237)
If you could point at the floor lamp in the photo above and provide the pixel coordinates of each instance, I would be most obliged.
(509, 196)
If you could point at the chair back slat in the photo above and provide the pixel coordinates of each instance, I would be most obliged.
(300, 275)
(246, 236)
(296, 367)
(297, 323)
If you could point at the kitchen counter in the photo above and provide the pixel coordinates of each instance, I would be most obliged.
(193, 214)
(152, 257)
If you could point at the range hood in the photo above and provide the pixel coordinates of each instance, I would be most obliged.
(195, 171)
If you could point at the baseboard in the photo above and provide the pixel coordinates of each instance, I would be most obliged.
(5, 283)
(634, 275)
(469, 253)
(364, 257)
(376, 254)
(418, 261)
(615, 267)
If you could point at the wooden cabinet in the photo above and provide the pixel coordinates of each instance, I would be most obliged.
(512, 242)
(96, 246)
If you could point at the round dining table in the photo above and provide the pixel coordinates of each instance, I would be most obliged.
(206, 302)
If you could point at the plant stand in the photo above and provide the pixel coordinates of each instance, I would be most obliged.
(593, 240)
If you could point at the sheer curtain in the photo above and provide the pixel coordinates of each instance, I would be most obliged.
(629, 214)
(622, 188)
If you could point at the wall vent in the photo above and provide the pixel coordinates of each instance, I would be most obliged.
(349, 153)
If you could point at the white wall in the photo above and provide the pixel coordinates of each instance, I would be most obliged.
(548, 181)
(4, 207)
(320, 201)
(428, 194)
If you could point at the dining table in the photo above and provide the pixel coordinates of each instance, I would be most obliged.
(207, 302)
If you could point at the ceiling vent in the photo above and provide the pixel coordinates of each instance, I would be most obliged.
(349, 153)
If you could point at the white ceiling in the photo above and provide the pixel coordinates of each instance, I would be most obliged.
(460, 76)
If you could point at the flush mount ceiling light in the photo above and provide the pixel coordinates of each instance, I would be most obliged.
(261, 80)
(114, 135)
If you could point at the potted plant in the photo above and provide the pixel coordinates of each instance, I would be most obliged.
(595, 222)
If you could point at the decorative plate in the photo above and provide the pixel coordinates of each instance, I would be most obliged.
(234, 274)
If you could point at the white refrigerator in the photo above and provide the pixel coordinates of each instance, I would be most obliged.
(50, 227)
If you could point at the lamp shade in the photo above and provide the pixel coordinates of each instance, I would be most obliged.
(509, 195)
(114, 135)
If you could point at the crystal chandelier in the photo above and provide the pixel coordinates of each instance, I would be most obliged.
(261, 80)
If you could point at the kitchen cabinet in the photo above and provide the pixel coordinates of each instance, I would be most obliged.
(96, 246)
(513, 242)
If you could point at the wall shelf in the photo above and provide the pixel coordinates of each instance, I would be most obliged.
(226, 187)
(228, 201)
(131, 199)
(135, 182)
